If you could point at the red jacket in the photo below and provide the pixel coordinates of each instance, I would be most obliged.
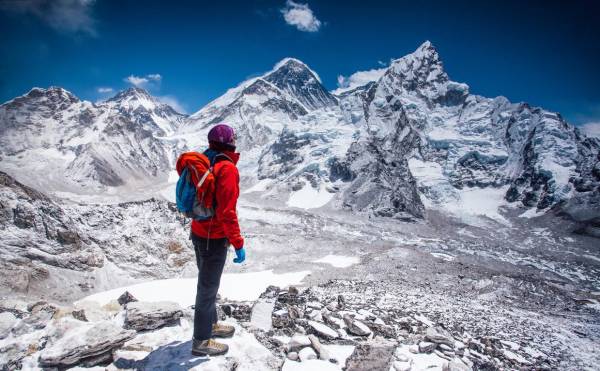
(227, 188)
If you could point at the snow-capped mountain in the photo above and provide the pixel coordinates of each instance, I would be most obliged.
(140, 107)
(412, 140)
(52, 140)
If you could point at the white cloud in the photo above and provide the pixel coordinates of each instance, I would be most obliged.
(154, 76)
(300, 16)
(73, 16)
(104, 90)
(591, 129)
(144, 81)
(357, 79)
(173, 102)
(136, 80)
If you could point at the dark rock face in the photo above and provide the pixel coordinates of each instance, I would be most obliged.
(296, 79)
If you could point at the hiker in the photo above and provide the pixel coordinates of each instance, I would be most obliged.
(211, 238)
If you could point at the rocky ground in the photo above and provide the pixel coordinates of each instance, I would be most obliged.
(343, 324)
(519, 293)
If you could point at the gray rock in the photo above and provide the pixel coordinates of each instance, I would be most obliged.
(323, 330)
(91, 347)
(356, 327)
(426, 347)
(142, 316)
(370, 357)
(293, 356)
(126, 298)
(439, 335)
(298, 342)
(318, 347)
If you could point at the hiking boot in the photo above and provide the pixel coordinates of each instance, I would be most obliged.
(221, 330)
(208, 348)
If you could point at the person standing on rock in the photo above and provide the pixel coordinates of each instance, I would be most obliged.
(212, 237)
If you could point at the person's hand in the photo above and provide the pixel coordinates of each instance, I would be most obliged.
(241, 255)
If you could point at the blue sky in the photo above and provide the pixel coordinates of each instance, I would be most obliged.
(189, 52)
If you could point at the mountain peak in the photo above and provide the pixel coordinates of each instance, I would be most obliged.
(53, 93)
(293, 65)
(131, 93)
(296, 79)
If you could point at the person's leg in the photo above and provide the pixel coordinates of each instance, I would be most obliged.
(210, 255)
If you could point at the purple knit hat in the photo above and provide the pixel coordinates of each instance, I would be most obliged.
(222, 134)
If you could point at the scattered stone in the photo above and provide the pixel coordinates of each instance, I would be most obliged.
(90, 347)
(241, 312)
(426, 347)
(307, 353)
(370, 357)
(293, 356)
(413, 349)
(515, 357)
(322, 330)
(315, 315)
(126, 298)
(298, 342)
(79, 315)
(318, 347)
(341, 302)
(261, 316)
(293, 290)
(142, 316)
(356, 327)
(314, 305)
(439, 335)
(446, 348)
(7, 322)
(16, 307)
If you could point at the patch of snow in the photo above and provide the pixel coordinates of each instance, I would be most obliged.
(339, 261)
(309, 197)
(234, 286)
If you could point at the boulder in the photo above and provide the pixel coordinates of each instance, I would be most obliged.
(293, 356)
(356, 327)
(142, 316)
(322, 330)
(370, 357)
(319, 348)
(426, 347)
(298, 342)
(439, 335)
(89, 345)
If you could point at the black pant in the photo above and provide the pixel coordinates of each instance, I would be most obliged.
(210, 257)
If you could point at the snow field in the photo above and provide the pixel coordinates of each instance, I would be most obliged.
(234, 286)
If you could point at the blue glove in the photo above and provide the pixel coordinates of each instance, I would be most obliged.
(241, 255)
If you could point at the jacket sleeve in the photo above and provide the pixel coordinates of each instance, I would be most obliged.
(228, 191)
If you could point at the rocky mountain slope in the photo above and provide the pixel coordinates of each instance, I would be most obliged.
(53, 141)
(49, 247)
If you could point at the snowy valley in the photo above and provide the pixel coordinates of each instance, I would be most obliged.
(406, 224)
